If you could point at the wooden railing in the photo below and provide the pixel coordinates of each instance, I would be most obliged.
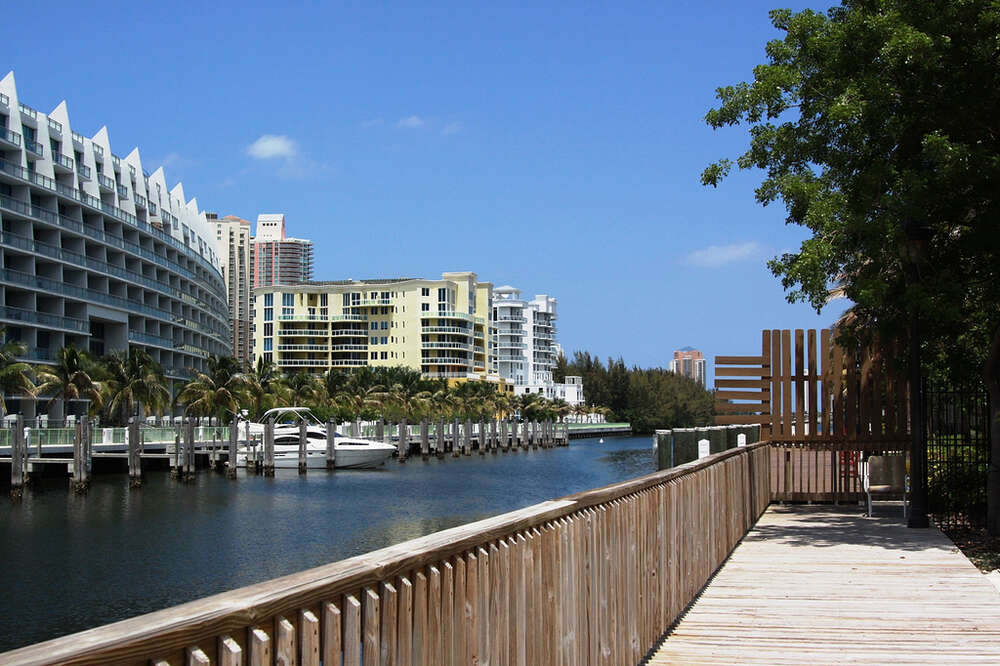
(592, 578)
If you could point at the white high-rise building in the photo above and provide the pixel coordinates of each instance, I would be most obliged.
(98, 253)
(524, 344)
(233, 238)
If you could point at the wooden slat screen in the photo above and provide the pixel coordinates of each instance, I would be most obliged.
(805, 388)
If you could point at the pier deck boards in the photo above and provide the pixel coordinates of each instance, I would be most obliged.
(827, 585)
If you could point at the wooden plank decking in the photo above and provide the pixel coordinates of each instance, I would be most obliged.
(826, 585)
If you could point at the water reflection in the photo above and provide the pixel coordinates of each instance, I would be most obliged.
(76, 562)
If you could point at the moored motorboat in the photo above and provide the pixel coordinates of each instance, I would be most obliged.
(351, 452)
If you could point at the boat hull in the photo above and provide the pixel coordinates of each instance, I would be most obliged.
(348, 457)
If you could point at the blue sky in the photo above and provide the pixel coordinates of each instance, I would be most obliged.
(557, 149)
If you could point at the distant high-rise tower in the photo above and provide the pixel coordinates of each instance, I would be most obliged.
(275, 259)
(233, 244)
(690, 363)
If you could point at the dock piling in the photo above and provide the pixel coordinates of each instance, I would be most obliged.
(425, 439)
(18, 459)
(331, 449)
(303, 439)
(269, 447)
(404, 440)
(134, 457)
(80, 481)
(234, 436)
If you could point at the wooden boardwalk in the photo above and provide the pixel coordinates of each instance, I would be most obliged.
(816, 585)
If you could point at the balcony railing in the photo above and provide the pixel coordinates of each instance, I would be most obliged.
(77, 137)
(303, 348)
(105, 182)
(444, 360)
(314, 362)
(122, 192)
(140, 201)
(55, 126)
(83, 170)
(4, 100)
(124, 216)
(44, 319)
(446, 345)
(376, 301)
(28, 111)
(10, 137)
(146, 338)
(98, 151)
(63, 161)
(446, 329)
(34, 147)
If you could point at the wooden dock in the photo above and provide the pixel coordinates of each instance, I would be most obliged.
(823, 584)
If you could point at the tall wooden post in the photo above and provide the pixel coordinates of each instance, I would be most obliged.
(456, 444)
(175, 467)
(482, 438)
(79, 482)
(493, 436)
(467, 440)
(188, 472)
(441, 445)
(303, 440)
(331, 446)
(425, 439)
(18, 457)
(134, 459)
(269, 447)
(380, 429)
(234, 436)
(504, 442)
(404, 441)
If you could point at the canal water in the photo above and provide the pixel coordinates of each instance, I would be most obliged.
(70, 563)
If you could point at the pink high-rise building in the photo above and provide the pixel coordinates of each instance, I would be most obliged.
(276, 259)
(689, 362)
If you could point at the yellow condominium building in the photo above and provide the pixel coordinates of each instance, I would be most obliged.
(439, 327)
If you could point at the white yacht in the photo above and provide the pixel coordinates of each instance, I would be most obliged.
(351, 452)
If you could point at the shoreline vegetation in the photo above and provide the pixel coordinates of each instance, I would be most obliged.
(112, 388)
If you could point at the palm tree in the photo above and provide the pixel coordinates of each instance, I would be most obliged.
(15, 376)
(219, 391)
(72, 377)
(305, 389)
(133, 378)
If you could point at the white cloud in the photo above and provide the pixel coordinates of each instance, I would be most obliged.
(270, 146)
(374, 122)
(715, 256)
(452, 128)
(410, 122)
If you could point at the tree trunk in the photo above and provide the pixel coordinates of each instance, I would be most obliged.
(991, 375)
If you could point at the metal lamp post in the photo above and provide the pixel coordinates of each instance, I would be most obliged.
(917, 236)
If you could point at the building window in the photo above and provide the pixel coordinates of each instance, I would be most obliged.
(268, 314)
(288, 300)
(385, 310)
(268, 300)
(385, 325)
(374, 325)
(385, 340)
(385, 355)
(425, 291)
(268, 330)
(322, 300)
(268, 358)
(425, 307)
(374, 340)
(374, 356)
(268, 344)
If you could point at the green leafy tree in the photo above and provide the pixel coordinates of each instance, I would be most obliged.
(74, 376)
(133, 378)
(876, 125)
(15, 376)
(219, 391)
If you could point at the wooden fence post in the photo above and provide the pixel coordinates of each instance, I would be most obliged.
(467, 440)
(188, 472)
(441, 444)
(456, 445)
(80, 483)
(504, 442)
(331, 447)
(425, 439)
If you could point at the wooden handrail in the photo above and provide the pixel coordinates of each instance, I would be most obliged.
(656, 539)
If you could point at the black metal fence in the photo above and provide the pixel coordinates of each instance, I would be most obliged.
(958, 454)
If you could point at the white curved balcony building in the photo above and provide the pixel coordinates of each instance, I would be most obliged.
(98, 253)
